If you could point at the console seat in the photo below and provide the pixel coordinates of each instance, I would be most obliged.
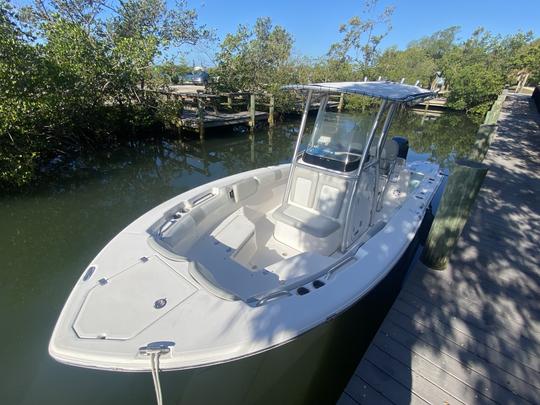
(306, 221)
(310, 220)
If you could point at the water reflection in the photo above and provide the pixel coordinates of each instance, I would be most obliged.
(50, 234)
(441, 139)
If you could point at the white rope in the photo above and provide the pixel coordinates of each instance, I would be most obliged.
(154, 363)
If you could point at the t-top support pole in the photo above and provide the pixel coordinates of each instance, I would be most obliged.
(365, 155)
(298, 143)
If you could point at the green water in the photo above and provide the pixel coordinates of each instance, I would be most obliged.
(51, 233)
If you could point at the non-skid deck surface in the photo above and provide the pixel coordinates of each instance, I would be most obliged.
(471, 334)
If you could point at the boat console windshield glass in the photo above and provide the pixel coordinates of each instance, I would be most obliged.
(336, 143)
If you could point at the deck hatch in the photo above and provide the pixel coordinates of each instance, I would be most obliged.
(126, 305)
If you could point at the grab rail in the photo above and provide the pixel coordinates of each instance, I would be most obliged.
(260, 301)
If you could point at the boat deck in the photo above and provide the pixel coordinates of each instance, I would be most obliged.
(471, 333)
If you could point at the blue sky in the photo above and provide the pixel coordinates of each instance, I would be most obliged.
(314, 24)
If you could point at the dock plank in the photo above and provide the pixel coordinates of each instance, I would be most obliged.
(456, 332)
(466, 366)
(380, 381)
(471, 333)
(487, 376)
(434, 373)
(346, 399)
(364, 393)
(401, 371)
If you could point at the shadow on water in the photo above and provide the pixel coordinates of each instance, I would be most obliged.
(52, 233)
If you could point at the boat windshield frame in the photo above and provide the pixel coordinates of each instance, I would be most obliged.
(386, 111)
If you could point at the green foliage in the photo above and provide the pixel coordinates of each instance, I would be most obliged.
(257, 60)
(362, 35)
(73, 77)
(254, 59)
(412, 64)
(527, 58)
(21, 101)
(74, 74)
(437, 44)
(170, 72)
(474, 73)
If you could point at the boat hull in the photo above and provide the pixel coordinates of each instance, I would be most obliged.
(313, 368)
(233, 329)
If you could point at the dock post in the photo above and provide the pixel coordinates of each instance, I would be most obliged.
(229, 101)
(484, 136)
(200, 114)
(340, 104)
(454, 210)
(252, 111)
(271, 111)
(489, 117)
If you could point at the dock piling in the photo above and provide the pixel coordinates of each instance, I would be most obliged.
(455, 207)
(484, 137)
(252, 111)
(271, 110)
(200, 114)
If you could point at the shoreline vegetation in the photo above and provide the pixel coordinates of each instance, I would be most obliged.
(72, 72)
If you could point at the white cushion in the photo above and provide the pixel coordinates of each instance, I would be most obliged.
(306, 221)
(244, 189)
(330, 200)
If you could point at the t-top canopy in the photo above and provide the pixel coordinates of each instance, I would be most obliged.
(386, 90)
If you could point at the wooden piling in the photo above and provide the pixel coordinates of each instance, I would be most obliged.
(340, 104)
(200, 114)
(454, 209)
(252, 111)
(271, 111)
(488, 120)
(492, 115)
(484, 136)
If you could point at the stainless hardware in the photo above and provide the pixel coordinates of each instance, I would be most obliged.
(161, 347)
(271, 296)
(160, 303)
(89, 272)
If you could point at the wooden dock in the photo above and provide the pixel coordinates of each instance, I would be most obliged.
(437, 104)
(471, 333)
(199, 111)
(211, 119)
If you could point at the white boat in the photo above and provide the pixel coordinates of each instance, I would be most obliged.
(250, 262)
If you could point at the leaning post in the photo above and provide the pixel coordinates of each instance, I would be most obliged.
(456, 204)
(271, 111)
(200, 114)
(252, 111)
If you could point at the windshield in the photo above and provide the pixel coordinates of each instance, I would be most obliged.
(336, 143)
